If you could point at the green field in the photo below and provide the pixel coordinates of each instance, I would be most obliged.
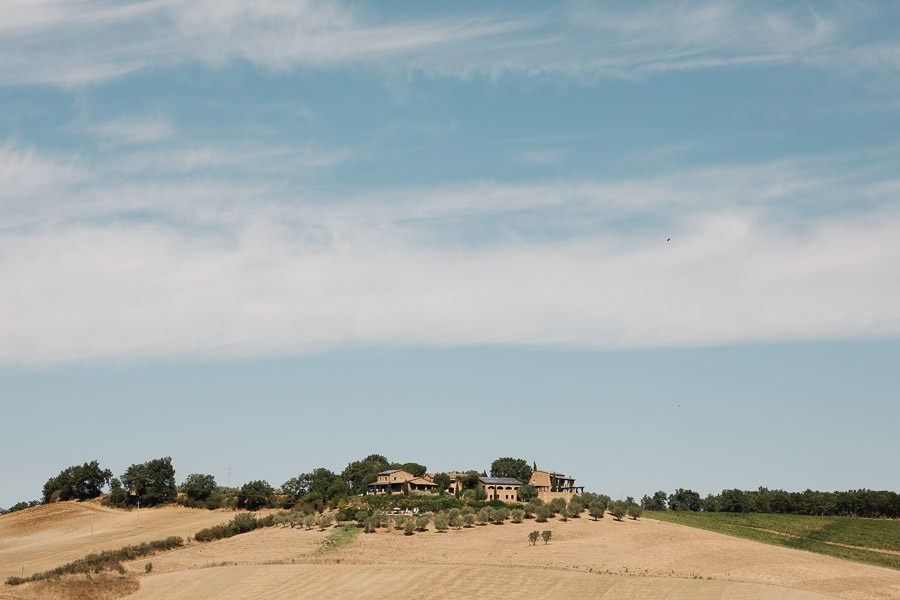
(823, 535)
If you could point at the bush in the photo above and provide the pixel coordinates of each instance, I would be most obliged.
(517, 515)
(469, 519)
(108, 559)
(422, 523)
(484, 515)
(576, 507)
(557, 505)
(546, 536)
(241, 523)
(441, 522)
(542, 513)
(635, 512)
(618, 510)
(148, 567)
(500, 515)
(533, 536)
(409, 527)
(597, 509)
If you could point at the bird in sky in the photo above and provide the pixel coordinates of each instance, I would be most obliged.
(668, 240)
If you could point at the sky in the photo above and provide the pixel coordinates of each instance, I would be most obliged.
(648, 244)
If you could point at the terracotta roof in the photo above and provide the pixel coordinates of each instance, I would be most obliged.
(500, 480)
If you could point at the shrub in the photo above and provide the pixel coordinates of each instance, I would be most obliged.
(618, 510)
(597, 509)
(456, 522)
(243, 523)
(370, 525)
(543, 513)
(108, 559)
(148, 567)
(469, 519)
(500, 515)
(557, 505)
(635, 511)
(409, 527)
(441, 522)
(545, 535)
(517, 515)
(533, 536)
(361, 516)
(484, 515)
(422, 523)
(576, 507)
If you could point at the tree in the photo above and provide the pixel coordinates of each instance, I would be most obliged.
(441, 522)
(596, 509)
(734, 501)
(526, 493)
(511, 467)
(442, 480)
(543, 513)
(151, 483)
(684, 499)
(412, 468)
(409, 527)
(533, 536)
(359, 474)
(656, 502)
(618, 510)
(78, 482)
(255, 494)
(198, 487)
(546, 536)
(635, 511)
(576, 507)
(557, 505)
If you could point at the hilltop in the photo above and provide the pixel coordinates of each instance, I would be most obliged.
(605, 558)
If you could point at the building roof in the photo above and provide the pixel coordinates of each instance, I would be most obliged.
(389, 472)
(422, 481)
(500, 480)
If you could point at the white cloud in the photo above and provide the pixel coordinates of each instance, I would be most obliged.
(76, 42)
(127, 129)
(219, 267)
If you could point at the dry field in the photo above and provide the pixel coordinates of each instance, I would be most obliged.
(605, 559)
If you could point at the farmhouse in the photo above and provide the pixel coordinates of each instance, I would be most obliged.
(395, 480)
(500, 488)
(550, 485)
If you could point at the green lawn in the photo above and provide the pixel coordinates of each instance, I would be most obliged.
(814, 534)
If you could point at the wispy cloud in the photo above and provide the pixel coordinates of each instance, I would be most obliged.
(76, 42)
(126, 129)
(240, 267)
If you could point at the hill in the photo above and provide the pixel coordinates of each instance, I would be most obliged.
(602, 559)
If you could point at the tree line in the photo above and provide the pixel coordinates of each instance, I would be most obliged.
(851, 503)
(153, 483)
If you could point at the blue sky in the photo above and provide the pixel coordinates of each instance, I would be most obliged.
(275, 236)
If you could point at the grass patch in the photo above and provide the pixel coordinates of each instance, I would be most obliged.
(822, 535)
(338, 538)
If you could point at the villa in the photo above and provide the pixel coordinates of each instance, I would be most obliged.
(550, 485)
